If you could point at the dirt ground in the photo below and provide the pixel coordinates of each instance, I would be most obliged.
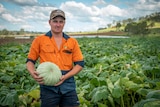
(8, 40)
(13, 40)
(101, 33)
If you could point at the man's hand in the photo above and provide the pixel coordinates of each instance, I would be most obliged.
(35, 75)
(62, 79)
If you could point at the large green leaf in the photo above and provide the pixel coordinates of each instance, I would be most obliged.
(117, 91)
(154, 94)
(102, 105)
(10, 99)
(99, 93)
(143, 91)
(35, 94)
(110, 85)
(147, 102)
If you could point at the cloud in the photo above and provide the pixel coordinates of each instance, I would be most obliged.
(27, 27)
(149, 1)
(91, 17)
(99, 2)
(148, 5)
(24, 2)
(143, 7)
(10, 18)
(36, 12)
(112, 10)
(2, 9)
(79, 9)
(2, 27)
(80, 16)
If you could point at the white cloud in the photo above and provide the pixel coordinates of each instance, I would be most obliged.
(112, 10)
(2, 27)
(2, 9)
(80, 17)
(143, 7)
(37, 18)
(27, 27)
(90, 17)
(11, 18)
(99, 2)
(79, 9)
(148, 5)
(37, 12)
(23, 2)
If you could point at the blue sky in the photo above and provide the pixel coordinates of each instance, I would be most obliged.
(81, 15)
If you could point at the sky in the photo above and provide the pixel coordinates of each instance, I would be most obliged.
(81, 15)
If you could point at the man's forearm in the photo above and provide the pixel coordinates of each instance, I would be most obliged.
(30, 67)
(76, 69)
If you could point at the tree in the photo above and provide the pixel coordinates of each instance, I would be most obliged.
(142, 27)
(21, 31)
(4, 32)
(118, 25)
(137, 28)
(129, 20)
(109, 25)
(151, 24)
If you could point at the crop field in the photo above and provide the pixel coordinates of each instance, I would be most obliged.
(118, 73)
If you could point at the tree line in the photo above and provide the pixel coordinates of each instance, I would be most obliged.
(20, 32)
(139, 25)
(143, 24)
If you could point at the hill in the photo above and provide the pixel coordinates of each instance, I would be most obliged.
(113, 31)
(149, 23)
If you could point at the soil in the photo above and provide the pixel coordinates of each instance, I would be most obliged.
(8, 40)
(102, 33)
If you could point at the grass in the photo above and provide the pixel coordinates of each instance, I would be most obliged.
(154, 30)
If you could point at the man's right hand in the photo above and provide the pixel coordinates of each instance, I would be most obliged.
(36, 76)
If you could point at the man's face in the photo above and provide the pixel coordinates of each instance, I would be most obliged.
(57, 24)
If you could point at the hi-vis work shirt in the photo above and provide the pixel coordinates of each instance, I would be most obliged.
(45, 48)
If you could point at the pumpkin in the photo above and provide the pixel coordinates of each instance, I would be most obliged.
(50, 72)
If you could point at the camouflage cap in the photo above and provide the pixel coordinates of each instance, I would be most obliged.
(56, 13)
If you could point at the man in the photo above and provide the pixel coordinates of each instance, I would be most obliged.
(57, 47)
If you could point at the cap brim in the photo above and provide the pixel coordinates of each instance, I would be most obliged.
(58, 16)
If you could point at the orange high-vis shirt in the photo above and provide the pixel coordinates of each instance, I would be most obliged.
(45, 49)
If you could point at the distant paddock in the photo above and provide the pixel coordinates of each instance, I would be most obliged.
(7, 40)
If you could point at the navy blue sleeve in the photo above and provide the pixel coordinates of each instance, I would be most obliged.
(81, 63)
(33, 61)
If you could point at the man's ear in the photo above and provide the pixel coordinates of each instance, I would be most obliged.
(49, 21)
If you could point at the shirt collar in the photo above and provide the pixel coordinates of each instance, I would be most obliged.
(49, 34)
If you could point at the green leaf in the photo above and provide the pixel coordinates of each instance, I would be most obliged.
(10, 99)
(111, 101)
(99, 93)
(155, 103)
(143, 102)
(6, 78)
(158, 85)
(130, 85)
(102, 105)
(110, 85)
(143, 91)
(117, 91)
(94, 82)
(35, 94)
(154, 94)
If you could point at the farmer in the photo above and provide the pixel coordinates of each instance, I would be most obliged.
(57, 47)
